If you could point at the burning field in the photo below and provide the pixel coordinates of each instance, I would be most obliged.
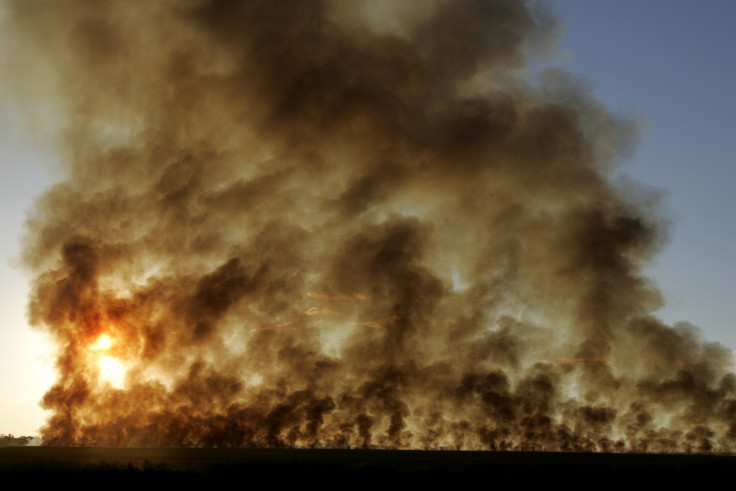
(346, 224)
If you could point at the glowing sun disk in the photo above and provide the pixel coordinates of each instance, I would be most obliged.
(103, 342)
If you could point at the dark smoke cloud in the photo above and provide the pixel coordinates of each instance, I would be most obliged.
(345, 224)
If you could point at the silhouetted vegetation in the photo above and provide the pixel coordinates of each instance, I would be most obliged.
(369, 467)
(13, 441)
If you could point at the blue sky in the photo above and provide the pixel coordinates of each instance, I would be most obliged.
(669, 64)
(672, 64)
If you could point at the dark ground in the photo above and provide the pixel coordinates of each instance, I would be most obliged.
(342, 468)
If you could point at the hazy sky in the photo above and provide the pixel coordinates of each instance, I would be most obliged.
(669, 64)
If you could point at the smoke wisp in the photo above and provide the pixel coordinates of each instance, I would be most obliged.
(346, 224)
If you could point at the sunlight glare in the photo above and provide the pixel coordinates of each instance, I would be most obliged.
(112, 371)
(103, 342)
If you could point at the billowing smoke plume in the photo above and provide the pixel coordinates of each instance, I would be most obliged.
(346, 224)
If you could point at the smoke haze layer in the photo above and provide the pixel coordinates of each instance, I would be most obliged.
(346, 224)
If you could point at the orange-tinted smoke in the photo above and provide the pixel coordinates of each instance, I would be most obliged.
(346, 224)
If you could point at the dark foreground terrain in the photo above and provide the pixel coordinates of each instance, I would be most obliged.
(97, 466)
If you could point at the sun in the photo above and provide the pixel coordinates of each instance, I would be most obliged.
(110, 369)
(103, 342)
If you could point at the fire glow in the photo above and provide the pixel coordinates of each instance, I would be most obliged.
(243, 237)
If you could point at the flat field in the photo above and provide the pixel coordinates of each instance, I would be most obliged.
(343, 467)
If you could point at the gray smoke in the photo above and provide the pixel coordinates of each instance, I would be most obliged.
(346, 224)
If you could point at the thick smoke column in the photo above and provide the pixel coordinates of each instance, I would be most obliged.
(346, 224)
